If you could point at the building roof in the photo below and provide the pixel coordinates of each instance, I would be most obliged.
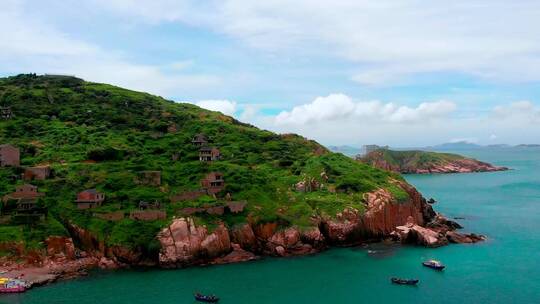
(26, 186)
(199, 138)
(92, 191)
(7, 146)
(214, 176)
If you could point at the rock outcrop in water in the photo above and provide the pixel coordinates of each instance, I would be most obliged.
(423, 162)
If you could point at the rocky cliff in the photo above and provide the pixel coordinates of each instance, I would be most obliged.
(423, 162)
(183, 243)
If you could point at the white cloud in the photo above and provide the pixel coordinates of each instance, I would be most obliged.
(524, 111)
(226, 107)
(336, 107)
(249, 113)
(331, 107)
(32, 45)
(387, 40)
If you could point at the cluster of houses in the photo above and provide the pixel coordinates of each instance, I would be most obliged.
(27, 195)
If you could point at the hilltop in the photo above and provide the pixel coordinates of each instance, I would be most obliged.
(417, 161)
(124, 177)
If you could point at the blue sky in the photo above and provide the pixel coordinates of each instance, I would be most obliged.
(404, 73)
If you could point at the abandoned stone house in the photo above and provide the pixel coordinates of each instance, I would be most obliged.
(213, 182)
(6, 113)
(38, 173)
(29, 206)
(199, 140)
(26, 191)
(89, 199)
(9, 156)
(236, 207)
(207, 154)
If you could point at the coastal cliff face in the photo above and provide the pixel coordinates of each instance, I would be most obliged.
(183, 243)
(423, 162)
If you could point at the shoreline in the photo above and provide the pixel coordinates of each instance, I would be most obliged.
(183, 243)
(53, 271)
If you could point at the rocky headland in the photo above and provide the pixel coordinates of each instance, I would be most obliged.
(183, 243)
(423, 162)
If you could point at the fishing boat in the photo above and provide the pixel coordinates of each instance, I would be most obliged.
(8, 285)
(434, 264)
(404, 281)
(207, 299)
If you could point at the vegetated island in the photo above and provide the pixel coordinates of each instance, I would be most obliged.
(424, 162)
(93, 175)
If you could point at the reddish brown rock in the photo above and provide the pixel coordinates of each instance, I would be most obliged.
(183, 243)
(60, 245)
(237, 255)
(265, 231)
(280, 250)
(460, 238)
(244, 236)
(86, 240)
(105, 263)
(313, 237)
(383, 213)
(125, 255)
(414, 234)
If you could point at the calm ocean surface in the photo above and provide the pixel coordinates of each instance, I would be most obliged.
(505, 206)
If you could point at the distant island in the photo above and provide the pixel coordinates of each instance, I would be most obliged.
(354, 151)
(423, 162)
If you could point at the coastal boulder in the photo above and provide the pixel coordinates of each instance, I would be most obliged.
(313, 237)
(237, 255)
(418, 235)
(60, 245)
(183, 243)
(244, 236)
(461, 238)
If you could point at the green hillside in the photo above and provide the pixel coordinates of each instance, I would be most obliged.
(425, 162)
(414, 158)
(101, 136)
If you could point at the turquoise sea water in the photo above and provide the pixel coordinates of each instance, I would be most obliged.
(505, 206)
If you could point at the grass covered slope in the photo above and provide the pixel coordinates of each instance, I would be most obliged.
(100, 136)
(425, 162)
